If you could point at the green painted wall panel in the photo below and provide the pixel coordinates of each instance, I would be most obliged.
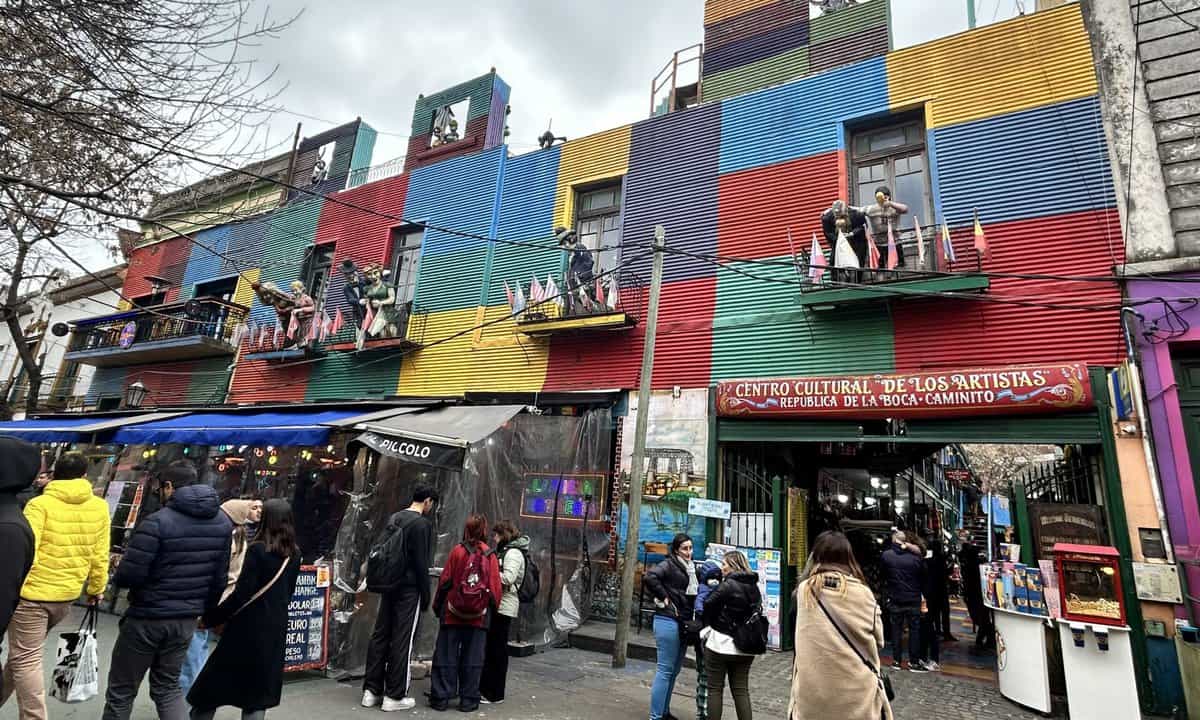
(209, 382)
(760, 331)
(770, 71)
(453, 280)
(344, 376)
(848, 21)
(291, 229)
(364, 147)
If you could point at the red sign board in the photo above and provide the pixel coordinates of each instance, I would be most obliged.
(958, 475)
(1021, 390)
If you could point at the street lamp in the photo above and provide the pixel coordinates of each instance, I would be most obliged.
(135, 394)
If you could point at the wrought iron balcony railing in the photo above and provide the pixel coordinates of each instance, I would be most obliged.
(202, 327)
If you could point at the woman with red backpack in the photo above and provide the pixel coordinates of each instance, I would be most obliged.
(468, 589)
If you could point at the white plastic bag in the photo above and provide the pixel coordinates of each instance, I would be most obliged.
(76, 668)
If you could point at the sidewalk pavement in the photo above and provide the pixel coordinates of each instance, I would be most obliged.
(566, 684)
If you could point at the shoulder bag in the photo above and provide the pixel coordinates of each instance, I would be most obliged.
(220, 629)
(884, 681)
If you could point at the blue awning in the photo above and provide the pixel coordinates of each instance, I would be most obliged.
(244, 428)
(76, 429)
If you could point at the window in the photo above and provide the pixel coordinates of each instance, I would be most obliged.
(147, 301)
(220, 289)
(405, 262)
(317, 264)
(598, 224)
(448, 123)
(893, 156)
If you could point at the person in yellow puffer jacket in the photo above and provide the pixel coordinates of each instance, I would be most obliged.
(71, 545)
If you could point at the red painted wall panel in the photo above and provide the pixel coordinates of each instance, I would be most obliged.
(167, 259)
(682, 353)
(965, 333)
(166, 383)
(756, 207)
(259, 381)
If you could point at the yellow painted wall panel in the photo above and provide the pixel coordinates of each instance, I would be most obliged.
(718, 10)
(595, 157)
(492, 359)
(1022, 63)
(243, 294)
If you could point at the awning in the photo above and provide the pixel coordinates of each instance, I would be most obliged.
(75, 429)
(249, 428)
(437, 437)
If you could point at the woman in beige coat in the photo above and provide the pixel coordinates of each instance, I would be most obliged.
(830, 679)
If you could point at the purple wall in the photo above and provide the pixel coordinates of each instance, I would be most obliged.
(1176, 474)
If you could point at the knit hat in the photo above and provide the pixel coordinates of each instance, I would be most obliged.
(20, 465)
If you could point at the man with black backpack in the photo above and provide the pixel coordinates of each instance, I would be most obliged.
(398, 568)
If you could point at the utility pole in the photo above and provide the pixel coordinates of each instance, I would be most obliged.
(636, 471)
(970, 14)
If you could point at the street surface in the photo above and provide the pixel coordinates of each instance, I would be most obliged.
(569, 684)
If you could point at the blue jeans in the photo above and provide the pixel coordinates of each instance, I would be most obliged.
(670, 660)
(193, 662)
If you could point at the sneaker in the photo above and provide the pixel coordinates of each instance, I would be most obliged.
(932, 666)
(370, 699)
(917, 667)
(390, 705)
(485, 701)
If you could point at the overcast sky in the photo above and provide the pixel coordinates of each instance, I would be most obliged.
(585, 63)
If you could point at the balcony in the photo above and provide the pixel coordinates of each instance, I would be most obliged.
(199, 328)
(596, 310)
(915, 278)
(406, 334)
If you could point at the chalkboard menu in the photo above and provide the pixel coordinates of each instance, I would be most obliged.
(307, 646)
(1061, 523)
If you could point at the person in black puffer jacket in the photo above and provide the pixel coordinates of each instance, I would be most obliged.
(20, 467)
(731, 605)
(673, 585)
(176, 566)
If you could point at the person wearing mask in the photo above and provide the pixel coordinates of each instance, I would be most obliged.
(904, 576)
(175, 566)
(241, 513)
(246, 669)
(388, 678)
(731, 605)
(709, 576)
(970, 557)
(673, 584)
(511, 549)
(839, 633)
(21, 465)
(71, 541)
(468, 589)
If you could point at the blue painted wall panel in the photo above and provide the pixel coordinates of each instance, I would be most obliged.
(204, 262)
(526, 214)
(244, 247)
(800, 118)
(457, 194)
(672, 181)
(1046, 161)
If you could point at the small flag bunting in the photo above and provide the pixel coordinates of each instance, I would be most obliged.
(920, 242)
(843, 254)
(947, 243)
(981, 243)
(893, 258)
(816, 261)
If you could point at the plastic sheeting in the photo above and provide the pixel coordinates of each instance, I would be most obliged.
(510, 475)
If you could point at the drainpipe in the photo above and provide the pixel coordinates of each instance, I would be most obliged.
(1139, 403)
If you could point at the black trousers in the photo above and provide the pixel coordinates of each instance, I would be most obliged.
(457, 666)
(495, 659)
(931, 639)
(903, 616)
(390, 650)
(940, 609)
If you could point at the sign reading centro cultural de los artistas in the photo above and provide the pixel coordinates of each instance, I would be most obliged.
(952, 393)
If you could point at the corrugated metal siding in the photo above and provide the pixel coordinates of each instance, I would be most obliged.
(290, 230)
(757, 207)
(861, 45)
(1029, 61)
(740, 27)
(756, 47)
(946, 333)
(759, 331)
(595, 157)
(256, 381)
(142, 261)
(673, 182)
(682, 352)
(717, 10)
(1046, 161)
(498, 113)
(764, 73)
(364, 147)
(243, 294)
(479, 90)
(458, 194)
(503, 359)
(106, 382)
(344, 376)
(359, 235)
(209, 382)
(173, 263)
(443, 369)
(526, 214)
(166, 383)
(799, 118)
(245, 246)
(203, 262)
(849, 21)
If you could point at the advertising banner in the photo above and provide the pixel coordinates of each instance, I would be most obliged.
(307, 646)
(1021, 390)
(768, 563)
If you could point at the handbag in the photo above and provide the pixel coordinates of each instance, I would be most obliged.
(220, 629)
(76, 676)
(751, 635)
(885, 682)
